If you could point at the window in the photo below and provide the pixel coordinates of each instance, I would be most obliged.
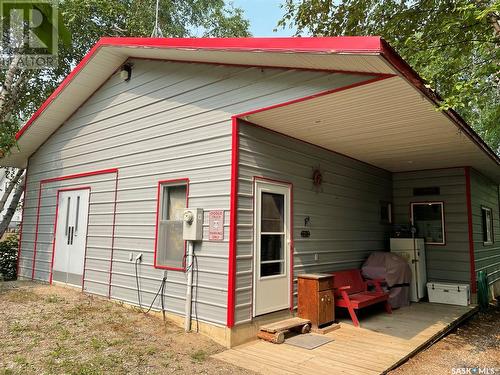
(487, 223)
(170, 247)
(385, 212)
(428, 218)
(272, 234)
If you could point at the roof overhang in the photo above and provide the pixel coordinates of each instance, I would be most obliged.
(377, 101)
(384, 122)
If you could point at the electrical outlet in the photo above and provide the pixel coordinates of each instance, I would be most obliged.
(131, 257)
(316, 257)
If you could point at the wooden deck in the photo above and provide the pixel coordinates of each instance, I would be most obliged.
(382, 343)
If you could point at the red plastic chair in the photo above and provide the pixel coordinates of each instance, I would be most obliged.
(351, 292)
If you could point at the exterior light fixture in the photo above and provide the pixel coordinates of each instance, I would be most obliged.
(126, 72)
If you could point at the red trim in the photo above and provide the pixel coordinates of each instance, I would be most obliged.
(472, 260)
(379, 77)
(292, 242)
(69, 177)
(55, 232)
(231, 278)
(343, 44)
(79, 175)
(442, 215)
(173, 182)
(22, 221)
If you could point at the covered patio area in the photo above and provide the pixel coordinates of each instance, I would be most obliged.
(382, 343)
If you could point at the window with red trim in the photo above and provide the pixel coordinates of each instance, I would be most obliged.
(487, 225)
(170, 250)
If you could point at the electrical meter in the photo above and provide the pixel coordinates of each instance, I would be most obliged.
(192, 224)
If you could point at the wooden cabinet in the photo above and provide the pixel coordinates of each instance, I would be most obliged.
(316, 299)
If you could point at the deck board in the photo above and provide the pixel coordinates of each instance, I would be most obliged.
(381, 343)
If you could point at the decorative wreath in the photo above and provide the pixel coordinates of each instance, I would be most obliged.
(317, 177)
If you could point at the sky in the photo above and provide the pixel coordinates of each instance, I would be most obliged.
(264, 16)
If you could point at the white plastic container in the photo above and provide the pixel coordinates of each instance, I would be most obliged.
(448, 293)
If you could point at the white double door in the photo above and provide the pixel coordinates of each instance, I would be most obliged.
(71, 236)
(272, 247)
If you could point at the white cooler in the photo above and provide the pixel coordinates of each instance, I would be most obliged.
(451, 294)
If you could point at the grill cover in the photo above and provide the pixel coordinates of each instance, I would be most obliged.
(395, 270)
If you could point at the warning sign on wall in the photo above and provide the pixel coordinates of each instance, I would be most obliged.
(216, 225)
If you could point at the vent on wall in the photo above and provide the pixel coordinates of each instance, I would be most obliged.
(433, 190)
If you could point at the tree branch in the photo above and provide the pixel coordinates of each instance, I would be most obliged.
(12, 206)
(9, 188)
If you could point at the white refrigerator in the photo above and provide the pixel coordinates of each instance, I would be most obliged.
(413, 250)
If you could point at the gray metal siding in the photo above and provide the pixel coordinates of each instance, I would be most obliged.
(345, 212)
(171, 120)
(484, 192)
(449, 262)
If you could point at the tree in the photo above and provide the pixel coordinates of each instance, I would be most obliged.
(453, 44)
(24, 90)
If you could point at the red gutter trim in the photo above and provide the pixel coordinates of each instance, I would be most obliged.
(342, 44)
(172, 182)
(472, 260)
(22, 221)
(394, 59)
(55, 232)
(231, 279)
(69, 177)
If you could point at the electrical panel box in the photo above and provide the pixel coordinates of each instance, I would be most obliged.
(192, 224)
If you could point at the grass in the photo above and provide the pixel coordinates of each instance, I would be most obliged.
(199, 356)
(16, 328)
(62, 331)
(54, 298)
(22, 296)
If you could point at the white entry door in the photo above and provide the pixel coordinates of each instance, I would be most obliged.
(71, 235)
(272, 247)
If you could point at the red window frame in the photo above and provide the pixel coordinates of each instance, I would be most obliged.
(161, 183)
